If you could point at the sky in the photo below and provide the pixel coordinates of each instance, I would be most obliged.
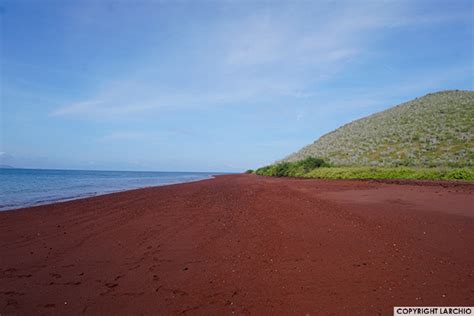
(212, 85)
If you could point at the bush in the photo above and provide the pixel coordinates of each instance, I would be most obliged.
(292, 169)
(466, 174)
(318, 168)
(311, 163)
(249, 171)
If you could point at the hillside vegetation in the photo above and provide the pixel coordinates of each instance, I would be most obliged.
(436, 130)
(311, 167)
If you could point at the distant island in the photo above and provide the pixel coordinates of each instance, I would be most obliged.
(430, 137)
(2, 166)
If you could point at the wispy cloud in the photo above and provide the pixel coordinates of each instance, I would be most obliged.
(77, 108)
(129, 136)
(146, 135)
(226, 82)
(267, 54)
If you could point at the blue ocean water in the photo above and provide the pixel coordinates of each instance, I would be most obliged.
(27, 187)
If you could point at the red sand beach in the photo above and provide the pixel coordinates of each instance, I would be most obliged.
(243, 244)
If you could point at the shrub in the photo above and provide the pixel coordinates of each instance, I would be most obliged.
(311, 163)
(466, 174)
(280, 169)
(292, 169)
(249, 171)
(432, 131)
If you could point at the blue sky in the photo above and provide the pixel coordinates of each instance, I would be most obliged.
(212, 85)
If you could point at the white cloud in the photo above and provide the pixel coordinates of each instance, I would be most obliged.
(104, 109)
(266, 54)
(128, 136)
(77, 108)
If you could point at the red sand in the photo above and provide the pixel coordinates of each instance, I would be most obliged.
(243, 244)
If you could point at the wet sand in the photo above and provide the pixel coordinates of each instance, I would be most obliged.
(243, 244)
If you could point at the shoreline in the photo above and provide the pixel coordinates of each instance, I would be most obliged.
(92, 195)
(242, 244)
(415, 182)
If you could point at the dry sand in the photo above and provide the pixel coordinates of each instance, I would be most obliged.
(243, 244)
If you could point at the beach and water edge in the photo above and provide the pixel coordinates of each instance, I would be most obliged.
(243, 244)
(21, 188)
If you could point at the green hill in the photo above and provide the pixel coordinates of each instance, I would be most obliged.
(436, 130)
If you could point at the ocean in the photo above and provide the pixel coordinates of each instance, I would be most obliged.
(29, 187)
